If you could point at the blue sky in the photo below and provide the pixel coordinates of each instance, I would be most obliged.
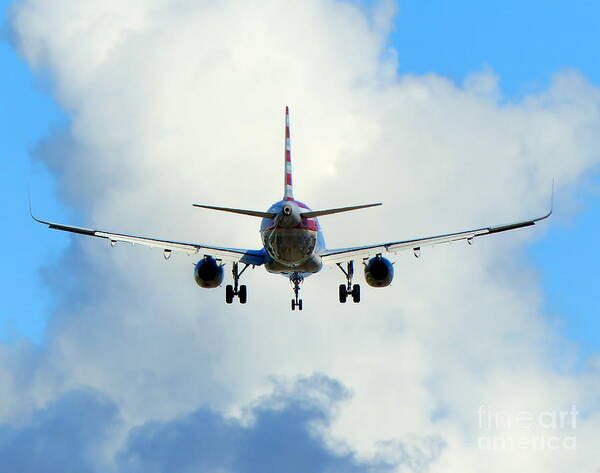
(28, 114)
(525, 43)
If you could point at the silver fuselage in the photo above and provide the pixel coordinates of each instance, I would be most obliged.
(292, 244)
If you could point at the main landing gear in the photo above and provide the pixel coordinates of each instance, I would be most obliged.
(233, 291)
(296, 280)
(349, 289)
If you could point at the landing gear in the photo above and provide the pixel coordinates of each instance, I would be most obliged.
(356, 293)
(348, 289)
(343, 293)
(296, 280)
(232, 291)
(229, 294)
(243, 294)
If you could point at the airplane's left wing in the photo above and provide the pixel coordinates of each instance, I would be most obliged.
(347, 254)
(253, 257)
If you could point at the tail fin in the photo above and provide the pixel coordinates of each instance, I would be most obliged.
(288, 190)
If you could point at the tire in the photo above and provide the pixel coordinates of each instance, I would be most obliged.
(293, 304)
(243, 294)
(356, 293)
(343, 293)
(229, 293)
(300, 304)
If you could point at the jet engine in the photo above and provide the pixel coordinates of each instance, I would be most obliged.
(379, 272)
(208, 273)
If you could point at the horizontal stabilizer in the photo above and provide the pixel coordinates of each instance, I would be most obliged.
(319, 213)
(253, 213)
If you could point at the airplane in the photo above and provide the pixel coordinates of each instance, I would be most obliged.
(292, 245)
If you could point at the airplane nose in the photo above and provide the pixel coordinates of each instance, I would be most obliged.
(287, 210)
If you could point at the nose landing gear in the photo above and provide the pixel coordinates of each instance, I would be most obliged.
(296, 280)
(348, 289)
(232, 291)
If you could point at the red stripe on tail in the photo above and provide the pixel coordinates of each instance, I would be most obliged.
(288, 190)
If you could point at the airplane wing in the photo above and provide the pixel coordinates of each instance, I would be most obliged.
(346, 254)
(253, 257)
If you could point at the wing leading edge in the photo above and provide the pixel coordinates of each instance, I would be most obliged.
(347, 254)
(253, 257)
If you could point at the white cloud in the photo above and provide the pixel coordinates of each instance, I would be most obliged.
(69, 434)
(181, 102)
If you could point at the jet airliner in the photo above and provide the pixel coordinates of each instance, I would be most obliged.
(292, 245)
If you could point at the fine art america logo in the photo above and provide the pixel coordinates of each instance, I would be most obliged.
(527, 430)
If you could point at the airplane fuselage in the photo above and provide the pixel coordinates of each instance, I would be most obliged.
(292, 244)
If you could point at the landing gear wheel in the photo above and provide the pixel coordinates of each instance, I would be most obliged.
(343, 293)
(296, 279)
(229, 294)
(243, 294)
(348, 289)
(240, 291)
(356, 293)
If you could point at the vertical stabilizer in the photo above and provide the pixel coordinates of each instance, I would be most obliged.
(288, 192)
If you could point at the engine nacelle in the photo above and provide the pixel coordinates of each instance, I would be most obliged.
(379, 272)
(208, 273)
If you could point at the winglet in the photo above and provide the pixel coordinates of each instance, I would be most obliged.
(35, 218)
(29, 201)
(551, 206)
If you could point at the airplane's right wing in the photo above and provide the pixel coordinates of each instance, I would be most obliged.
(253, 257)
(346, 254)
